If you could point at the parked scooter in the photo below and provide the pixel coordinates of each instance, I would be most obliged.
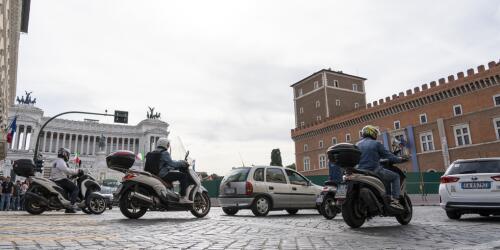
(44, 194)
(366, 193)
(330, 199)
(143, 190)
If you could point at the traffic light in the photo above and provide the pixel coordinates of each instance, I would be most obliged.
(121, 116)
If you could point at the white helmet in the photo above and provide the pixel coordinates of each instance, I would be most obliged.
(163, 142)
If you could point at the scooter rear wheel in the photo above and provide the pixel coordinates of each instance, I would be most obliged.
(129, 209)
(352, 214)
(327, 210)
(31, 205)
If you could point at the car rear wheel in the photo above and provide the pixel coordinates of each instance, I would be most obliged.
(454, 215)
(292, 211)
(261, 206)
(230, 210)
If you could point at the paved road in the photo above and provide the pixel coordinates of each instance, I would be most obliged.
(430, 228)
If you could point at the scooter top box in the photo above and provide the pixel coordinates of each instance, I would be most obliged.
(24, 167)
(344, 155)
(120, 160)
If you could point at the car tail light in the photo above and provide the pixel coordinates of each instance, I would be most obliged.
(248, 188)
(129, 176)
(449, 179)
(496, 177)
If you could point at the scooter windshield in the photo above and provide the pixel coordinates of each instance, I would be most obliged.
(178, 151)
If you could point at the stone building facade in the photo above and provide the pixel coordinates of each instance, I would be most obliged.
(82, 137)
(454, 118)
(10, 24)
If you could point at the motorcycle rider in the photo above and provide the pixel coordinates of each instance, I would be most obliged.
(167, 165)
(371, 153)
(59, 175)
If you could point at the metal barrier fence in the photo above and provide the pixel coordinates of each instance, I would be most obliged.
(417, 183)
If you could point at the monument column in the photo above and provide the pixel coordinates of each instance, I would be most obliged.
(44, 141)
(69, 142)
(81, 144)
(88, 144)
(50, 142)
(76, 143)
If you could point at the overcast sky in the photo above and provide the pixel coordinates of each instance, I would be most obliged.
(220, 71)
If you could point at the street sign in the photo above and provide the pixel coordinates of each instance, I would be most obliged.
(121, 116)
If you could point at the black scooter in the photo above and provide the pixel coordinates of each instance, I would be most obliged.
(366, 193)
(330, 199)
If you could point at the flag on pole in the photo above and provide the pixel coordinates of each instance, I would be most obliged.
(139, 156)
(13, 127)
(77, 159)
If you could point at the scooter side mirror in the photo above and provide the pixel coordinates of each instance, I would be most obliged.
(187, 154)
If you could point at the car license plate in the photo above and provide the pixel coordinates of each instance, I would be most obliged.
(341, 191)
(476, 185)
(319, 198)
(230, 190)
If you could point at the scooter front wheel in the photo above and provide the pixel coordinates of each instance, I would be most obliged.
(201, 205)
(96, 204)
(405, 218)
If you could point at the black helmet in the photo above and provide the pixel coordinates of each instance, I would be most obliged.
(64, 154)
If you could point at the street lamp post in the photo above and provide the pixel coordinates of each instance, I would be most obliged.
(120, 117)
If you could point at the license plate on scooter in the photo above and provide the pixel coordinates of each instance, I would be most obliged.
(341, 191)
(319, 199)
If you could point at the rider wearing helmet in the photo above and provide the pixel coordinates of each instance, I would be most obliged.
(59, 175)
(167, 165)
(371, 153)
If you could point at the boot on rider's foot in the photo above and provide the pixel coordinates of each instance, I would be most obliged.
(185, 200)
(396, 204)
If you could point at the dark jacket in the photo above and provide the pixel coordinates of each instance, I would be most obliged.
(166, 162)
(371, 153)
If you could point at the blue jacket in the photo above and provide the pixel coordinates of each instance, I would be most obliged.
(167, 164)
(371, 153)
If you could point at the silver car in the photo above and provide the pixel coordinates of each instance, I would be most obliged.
(266, 188)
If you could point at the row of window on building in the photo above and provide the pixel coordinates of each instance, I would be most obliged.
(461, 133)
(317, 85)
(457, 111)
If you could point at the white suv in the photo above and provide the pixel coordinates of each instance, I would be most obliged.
(471, 186)
(265, 188)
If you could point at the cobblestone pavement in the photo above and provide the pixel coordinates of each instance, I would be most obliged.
(430, 228)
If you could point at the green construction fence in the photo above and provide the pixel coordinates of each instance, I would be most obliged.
(416, 183)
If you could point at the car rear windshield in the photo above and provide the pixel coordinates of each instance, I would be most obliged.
(237, 175)
(474, 167)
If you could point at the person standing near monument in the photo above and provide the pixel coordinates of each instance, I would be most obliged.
(7, 189)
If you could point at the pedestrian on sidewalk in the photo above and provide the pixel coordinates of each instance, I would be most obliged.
(16, 197)
(24, 188)
(7, 189)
